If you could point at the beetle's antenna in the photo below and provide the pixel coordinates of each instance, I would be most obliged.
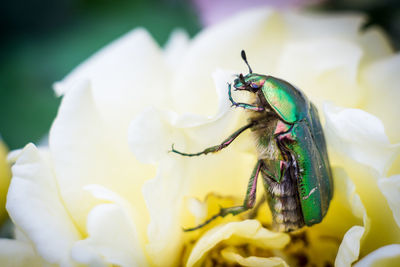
(245, 60)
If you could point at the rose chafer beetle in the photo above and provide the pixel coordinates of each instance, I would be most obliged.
(292, 154)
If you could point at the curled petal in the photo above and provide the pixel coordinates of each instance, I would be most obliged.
(36, 207)
(349, 249)
(248, 231)
(388, 256)
(112, 237)
(163, 195)
(84, 152)
(252, 261)
(153, 131)
(390, 188)
(380, 226)
(150, 136)
(364, 141)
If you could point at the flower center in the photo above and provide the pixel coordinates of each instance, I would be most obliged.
(245, 239)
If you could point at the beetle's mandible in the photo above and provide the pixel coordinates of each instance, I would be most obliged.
(292, 154)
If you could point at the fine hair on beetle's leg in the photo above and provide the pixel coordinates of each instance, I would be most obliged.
(219, 147)
(248, 203)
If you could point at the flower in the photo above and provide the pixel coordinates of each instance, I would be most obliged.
(4, 181)
(105, 191)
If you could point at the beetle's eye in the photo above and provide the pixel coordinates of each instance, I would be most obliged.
(254, 85)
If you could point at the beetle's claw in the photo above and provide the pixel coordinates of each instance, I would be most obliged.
(172, 148)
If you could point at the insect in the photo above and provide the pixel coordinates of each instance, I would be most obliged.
(292, 153)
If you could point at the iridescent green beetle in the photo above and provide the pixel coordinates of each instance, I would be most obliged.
(292, 154)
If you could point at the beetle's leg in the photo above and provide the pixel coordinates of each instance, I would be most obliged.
(248, 203)
(242, 105)
(219, 147)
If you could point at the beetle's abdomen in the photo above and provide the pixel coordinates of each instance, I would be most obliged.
(281, 185)
(283, 200)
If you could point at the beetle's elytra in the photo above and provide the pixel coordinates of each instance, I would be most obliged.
(292, 154)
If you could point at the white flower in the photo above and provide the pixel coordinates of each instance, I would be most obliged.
(106, 191)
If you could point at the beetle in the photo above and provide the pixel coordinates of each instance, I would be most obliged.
(292, 154)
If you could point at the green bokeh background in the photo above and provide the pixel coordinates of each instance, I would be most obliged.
(43, 40)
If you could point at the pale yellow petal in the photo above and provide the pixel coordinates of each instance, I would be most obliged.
(361, 136)
(357, 146)
(381, 81)
(126, 212)
(176, 47)
(151, 135)
(153, 131)
(163, 195)
(248, 231)
(112, 237)
(381, 228)
(390, 188)
(219, 47)
(15, 253)
(85, 152)
(252, 261)
(125, 77)
(350, 247)
(198, 209)
(375, 44)
(307, 25)
(324, 68)
(36, 207)
(387, 256)
(346, 208)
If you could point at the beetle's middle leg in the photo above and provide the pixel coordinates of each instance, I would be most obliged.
(248, 203)
(219, 147)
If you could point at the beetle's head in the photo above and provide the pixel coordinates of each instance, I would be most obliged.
(250, 82)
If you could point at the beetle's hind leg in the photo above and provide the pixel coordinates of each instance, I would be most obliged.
(248, 203)
(219, 147)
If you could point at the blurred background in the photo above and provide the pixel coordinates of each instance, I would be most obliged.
(43, 40)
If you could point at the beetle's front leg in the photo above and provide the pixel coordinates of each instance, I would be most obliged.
(242, 105)
(248, 203)
(219, 147)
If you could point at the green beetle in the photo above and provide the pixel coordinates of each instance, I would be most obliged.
(292, 154)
